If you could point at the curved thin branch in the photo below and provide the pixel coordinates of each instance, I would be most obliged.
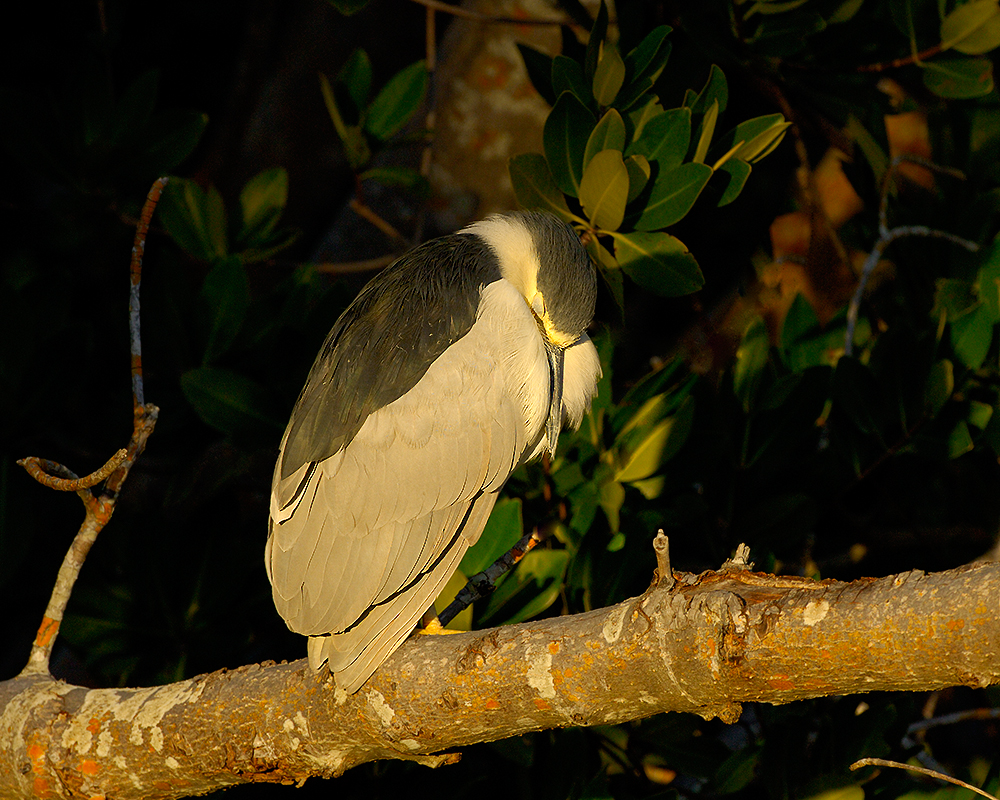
(135, 273)
(56, 476)
(933, 773)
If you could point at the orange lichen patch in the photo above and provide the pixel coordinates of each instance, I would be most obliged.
(956, 624)
(87, 767)
(542, 705)
(94, 726)
(553, 647)
(781, 683)
(40, 788)
(46, 631)
(492, 704)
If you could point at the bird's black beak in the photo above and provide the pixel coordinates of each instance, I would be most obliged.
(554, 421)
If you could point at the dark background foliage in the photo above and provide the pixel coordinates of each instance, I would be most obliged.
(834, 468)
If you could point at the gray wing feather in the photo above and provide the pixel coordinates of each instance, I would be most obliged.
(361, 544)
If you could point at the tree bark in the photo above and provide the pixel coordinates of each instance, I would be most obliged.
(702, 645)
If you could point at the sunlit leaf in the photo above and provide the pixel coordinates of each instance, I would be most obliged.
(351, 136)
(664, 138)
(972, 28)
(715, 90)
(705, 132)
(604, 190)
(638, 175)
(598, 35)
(608, 134)
(609, 75)
(503, 529)
(658, 445)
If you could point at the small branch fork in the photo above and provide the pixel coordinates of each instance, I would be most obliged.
(888, 235)
(98, 507)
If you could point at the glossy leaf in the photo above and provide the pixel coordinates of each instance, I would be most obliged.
(196, 219)
(664, 139)
(972, 335)
(355, 145)
(658, 262)
(972, 28)
(959, 78)
(609, 76)
(960, 440)
(528, 590)
(715, 90)
(356, 76)
(735, 174)
(658, 445)
(751, 360)
(397, 102)
(637, 118)
(705, 132)
(759, 136)
(534, 187)
(940, 386)
(650, 56)
(567, 76)
(604, 190)
(262, 202)
(503, 529)
(673, 195)
(598, 35)
(565, 135)
(229, 402)
(638, 175)
(539, 67)
(608, 134)
(226, 294)
(611, 498)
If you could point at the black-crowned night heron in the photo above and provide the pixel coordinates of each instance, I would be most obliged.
(456, 364)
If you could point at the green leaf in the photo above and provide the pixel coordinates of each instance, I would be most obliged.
(611, 273)
(759, 137)
(611, 498)
(705, 132)
(664, 139)
(604, 190)
(972, 28)
(735, 173)
(397, 102)
(609, 76)
(940, 386)
(657, 446)
(870, 148)
(972, 335)
(800, 322)
(980, 414)
(534, 187)
(503, 529)
(356, 76)
(988, 280)
(567, 76)
(262, 202)
(959, 440)
(638, 117)
(539, 68)
(195, 219)
(608, 134)
(355, 145)
(226, 294)
(715, 90)
(954, 297)
(658, 262)
(673, 195)
(638, 176)
(530, 589)
(403, 177)
(650, 56)
(959, 78)
(229, 402)
(564, 137)
(845, 12)
(598, 35)
(751, 360)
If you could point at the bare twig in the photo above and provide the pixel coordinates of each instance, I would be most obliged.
(99, 508)
(913, 58)
(56, 476)
(366, 213)
(482, 583)
(664, 574)
(888, 235)
(881, 762)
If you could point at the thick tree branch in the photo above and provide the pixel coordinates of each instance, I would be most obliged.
(702, 646)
